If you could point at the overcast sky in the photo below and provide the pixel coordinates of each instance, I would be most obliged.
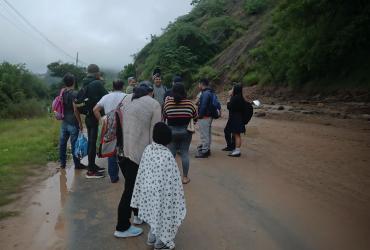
(105, 32)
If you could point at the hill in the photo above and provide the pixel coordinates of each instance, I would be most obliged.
(317, 44)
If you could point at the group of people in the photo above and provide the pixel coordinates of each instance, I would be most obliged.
(154, 128)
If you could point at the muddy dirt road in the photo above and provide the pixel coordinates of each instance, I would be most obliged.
(296, 186)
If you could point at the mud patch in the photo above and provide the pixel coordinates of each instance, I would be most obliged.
(41, 223)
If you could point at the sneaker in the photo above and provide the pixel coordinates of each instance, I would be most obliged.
(201, 155)
(235, 154)
(151, 239)
(114, 180)
(227, 149)
(81, 166)
(161, 245)
(131, 232)
(99, 169)
(94, 175)
(137, 221)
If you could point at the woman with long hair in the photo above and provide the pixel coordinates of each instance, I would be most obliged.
(179, 111)
(235, 125)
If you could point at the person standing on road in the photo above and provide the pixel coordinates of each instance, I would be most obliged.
(71, 124)
(205, 119)
(95, 91)
(235, 125)
(158, 192)
(131, 81)
(178, 112)
(176, 79)
(159, 91)
(141, 113)
(110, 103)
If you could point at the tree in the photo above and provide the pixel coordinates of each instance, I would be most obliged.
(59, 69)
(21, 92)
(127, 71)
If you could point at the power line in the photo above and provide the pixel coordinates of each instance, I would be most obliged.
(34, 28)
(17, 25)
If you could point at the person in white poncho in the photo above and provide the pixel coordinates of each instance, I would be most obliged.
(158, 191)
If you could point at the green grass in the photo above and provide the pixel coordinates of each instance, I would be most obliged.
(24, 144)
(5, 214)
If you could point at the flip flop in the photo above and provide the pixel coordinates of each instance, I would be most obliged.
(186, 182)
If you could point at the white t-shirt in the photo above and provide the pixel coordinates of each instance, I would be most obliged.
(110, 101)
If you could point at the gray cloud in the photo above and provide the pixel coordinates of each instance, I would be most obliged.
(106, 32)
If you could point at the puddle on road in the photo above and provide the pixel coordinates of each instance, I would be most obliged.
(41, 225)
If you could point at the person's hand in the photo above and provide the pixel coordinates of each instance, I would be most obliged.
(230, 92)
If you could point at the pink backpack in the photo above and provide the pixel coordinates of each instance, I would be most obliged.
(58, 107)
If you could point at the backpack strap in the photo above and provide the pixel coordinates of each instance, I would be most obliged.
(121, 102)
(62, 92)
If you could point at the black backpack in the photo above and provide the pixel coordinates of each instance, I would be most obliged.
(248, 112)
(215, 106)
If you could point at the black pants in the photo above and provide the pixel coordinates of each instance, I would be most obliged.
(129, 170)
(230, 139)
(92, 136)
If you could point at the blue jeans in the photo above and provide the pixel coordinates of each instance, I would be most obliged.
(113, 168)
(68, 131)
(181, 139)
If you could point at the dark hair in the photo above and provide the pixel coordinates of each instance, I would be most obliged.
(157, 72)
(204, 82)
(177, 79)
(178, 92)
(69, 79)
(143, 89)
(118, 85)
(93, 69)
(238, 90)
(162, 134)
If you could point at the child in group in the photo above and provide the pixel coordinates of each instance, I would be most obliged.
(158, 192)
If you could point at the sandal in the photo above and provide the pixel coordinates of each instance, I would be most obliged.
(185, 182)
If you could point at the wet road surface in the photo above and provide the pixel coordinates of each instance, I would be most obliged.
(305, 187)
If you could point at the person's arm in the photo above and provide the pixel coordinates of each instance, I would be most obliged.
(78, 116)
(96, 111)
(164, 111)
(195, 113)
(156, 117)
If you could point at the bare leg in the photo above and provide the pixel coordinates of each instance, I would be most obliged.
(238, 140)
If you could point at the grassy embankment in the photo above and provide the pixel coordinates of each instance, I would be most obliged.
(24, 145)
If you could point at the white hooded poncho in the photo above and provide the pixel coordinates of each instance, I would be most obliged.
(158, 193)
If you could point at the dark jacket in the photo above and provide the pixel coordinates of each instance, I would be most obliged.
(236, 107)
(204, 109)
(95, 91)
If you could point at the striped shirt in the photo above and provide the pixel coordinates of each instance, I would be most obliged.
(179, 114)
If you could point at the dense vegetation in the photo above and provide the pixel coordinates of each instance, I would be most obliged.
(275, 42)
(315, 40)
(22, 94)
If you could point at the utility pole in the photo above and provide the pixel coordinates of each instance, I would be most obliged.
(77, 60)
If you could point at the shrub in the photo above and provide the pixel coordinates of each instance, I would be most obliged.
(253, 7)
(250, 79)
(207, 72)
(25, 109)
